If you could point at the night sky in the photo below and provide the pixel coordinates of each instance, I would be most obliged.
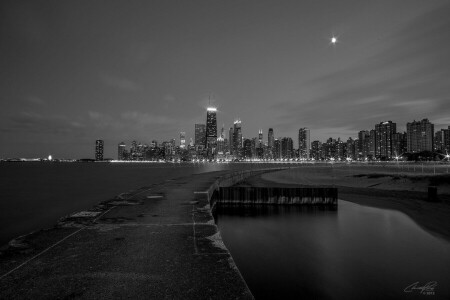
(72, 72)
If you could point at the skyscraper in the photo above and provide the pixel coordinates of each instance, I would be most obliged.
(247, 149)
(384, 132)
(420, 136)
(372, 144)
(270, 138)
(211, 130)
(121, 151)
(230, 140)
(363, 144)
(182, 140)
(304, 144)
(287, 147)
(439, 141)
(276, 149)
(446, 139)
(399, 143)
(341, 149)
(442, 140)
(99, 149)
(220, 145)
(200, 135)
(316, 150)
(259, 146)
(237, 138)
(351, 148)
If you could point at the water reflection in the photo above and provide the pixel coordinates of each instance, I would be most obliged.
(356, 252)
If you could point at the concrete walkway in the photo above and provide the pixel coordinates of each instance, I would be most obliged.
(155, 243)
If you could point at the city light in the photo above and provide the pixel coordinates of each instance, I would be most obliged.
(209, 147)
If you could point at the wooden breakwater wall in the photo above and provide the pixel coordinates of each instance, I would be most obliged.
(228, 180)
(276, 196)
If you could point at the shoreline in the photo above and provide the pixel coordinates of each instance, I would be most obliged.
(433, 217)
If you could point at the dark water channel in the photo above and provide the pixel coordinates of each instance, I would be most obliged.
(356, 252)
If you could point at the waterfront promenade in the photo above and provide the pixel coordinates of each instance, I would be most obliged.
(152, 243)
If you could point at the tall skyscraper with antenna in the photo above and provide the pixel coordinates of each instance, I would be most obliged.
(211, 130)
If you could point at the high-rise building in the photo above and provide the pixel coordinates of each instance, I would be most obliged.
(363, 144)
(351, 148)
(211, 130)
(446, 139)
(304, 144)
(260, 138)
(254, 147)
(341, 149)
(276, 149)
(384, 132)
(399, 143)
(247, 149)
(439, 141)
(260, 145)
(287, 148)
(316, 150)
(220, 145)
(200, 136)
(329, 149)
(442, 140)
(231, 140)
(420, 136)
(372, 144)
(121, 151)
(237, 138)
(270, 139)
(99, 149)
(182, 140)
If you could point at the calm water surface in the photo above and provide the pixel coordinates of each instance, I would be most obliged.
(357, 252)
(34, 195)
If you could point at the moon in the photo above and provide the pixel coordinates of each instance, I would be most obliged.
(333, 40)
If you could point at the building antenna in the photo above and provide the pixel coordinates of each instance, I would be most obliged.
(211, 97)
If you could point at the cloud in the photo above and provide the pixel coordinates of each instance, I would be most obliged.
(169, 98)
(119, 83)
(145, 119)
(32, 122)
(131, 125)
(168, 101)
(140, 52)
(36, 100)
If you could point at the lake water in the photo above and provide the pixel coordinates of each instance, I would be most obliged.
(34, 195)
(356, 252)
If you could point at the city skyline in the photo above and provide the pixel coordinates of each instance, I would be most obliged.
(383, 142)
(74, 72)
(386, 132)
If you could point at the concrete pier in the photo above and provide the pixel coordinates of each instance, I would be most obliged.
(156, 242)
